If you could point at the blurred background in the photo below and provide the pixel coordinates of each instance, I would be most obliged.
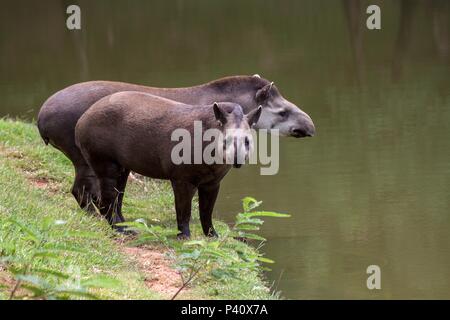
(372, 187)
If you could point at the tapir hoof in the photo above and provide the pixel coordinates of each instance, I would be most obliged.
(183, 236)
(125, 231)
(212, 234)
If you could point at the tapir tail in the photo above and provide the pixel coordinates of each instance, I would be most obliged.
(46, 140)
(42, 131)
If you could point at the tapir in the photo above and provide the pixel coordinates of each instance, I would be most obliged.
(134, 131)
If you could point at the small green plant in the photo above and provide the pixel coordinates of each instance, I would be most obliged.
(221, 258)
(34, 282)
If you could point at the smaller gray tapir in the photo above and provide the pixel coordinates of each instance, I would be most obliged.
(133, 131)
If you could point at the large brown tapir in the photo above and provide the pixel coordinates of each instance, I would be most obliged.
(133, 131)
(60, 113)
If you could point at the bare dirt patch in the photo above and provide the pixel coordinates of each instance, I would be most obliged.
(33, 175)
(5, 279)
(7, 283)
(11, 153)
(156, 267)
(42, 183)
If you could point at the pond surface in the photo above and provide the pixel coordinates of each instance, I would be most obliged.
(373, 187)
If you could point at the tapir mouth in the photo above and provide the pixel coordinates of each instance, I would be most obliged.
(303, 132)
(298, 135)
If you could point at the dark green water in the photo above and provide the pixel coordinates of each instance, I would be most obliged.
(371, 188)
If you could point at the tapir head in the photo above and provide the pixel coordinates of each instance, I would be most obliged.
(279, 113)
(236, 131)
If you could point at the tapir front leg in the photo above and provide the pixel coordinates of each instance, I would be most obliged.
(207, 195)
(184, 192)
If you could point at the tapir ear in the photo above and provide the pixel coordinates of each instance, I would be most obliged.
(219, 113)
(253, 116)
(264, 93)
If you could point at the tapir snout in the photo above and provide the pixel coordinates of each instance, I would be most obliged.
(304, 126)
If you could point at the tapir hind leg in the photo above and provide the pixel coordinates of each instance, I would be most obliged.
(109, 174)
(85, 187)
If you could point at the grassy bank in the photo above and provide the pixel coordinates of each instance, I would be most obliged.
(35, 181)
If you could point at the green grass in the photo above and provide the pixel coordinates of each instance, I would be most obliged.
(36, 180)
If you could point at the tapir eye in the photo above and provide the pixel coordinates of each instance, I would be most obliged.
(283, 113)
